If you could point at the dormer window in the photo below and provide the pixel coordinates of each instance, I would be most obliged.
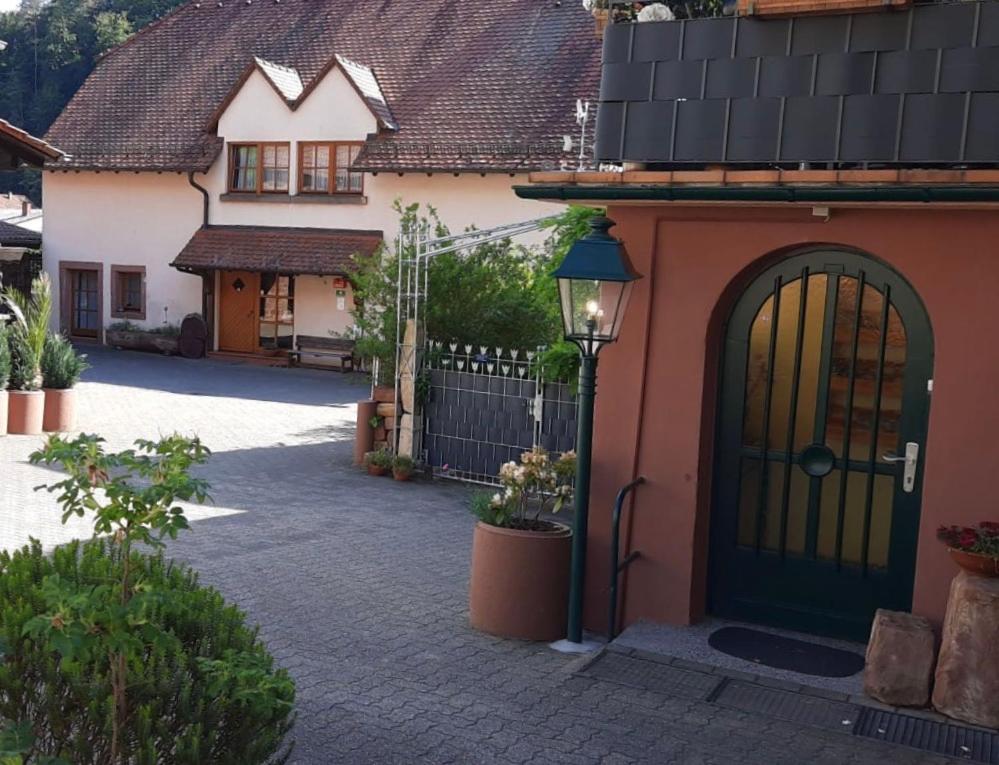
(324, 168)
(259, 167)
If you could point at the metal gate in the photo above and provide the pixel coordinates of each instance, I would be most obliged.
(485, 406)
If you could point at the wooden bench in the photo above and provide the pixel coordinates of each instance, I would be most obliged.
(324, 347)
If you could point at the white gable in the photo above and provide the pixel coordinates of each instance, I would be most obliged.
(333, 111)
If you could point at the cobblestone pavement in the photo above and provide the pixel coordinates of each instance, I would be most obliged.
(360, 587)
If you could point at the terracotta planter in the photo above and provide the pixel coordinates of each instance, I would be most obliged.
(402, 475)
(26, 409)
(808, 7)
(519, 585)
(60, 410)
(3, 412)
(376, 470)
(976, 563)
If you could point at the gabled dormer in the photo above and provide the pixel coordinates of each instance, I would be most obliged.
(286, 135)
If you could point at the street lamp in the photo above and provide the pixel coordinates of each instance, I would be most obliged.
(594, 282)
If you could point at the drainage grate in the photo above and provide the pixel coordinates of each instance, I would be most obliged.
(794, 707)
(652, 676)
(929, 735)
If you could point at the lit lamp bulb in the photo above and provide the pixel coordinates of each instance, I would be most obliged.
(593, 309)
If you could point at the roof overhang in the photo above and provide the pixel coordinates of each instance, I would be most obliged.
(275, 249)
(18, 146)
(916, 187)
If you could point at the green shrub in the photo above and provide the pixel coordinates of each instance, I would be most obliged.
(381, 458)
(115, 657)
(4, 355)
(28, 331)
(403, 466)
(24, 370)
(61, 364)
(202, 688)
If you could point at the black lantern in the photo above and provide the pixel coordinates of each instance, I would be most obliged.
(595, 281)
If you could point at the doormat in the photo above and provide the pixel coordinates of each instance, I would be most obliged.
(785, 653)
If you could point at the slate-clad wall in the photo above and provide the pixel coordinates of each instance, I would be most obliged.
(918, 86)
(475, 423)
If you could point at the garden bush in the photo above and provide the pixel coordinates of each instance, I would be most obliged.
(61, 364)
(202, 688)
(113, 656)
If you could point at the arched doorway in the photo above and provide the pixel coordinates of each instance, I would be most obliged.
(827, 368)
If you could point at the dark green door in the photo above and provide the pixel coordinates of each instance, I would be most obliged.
(825, 389)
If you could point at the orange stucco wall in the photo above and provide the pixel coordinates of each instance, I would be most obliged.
(657, 385)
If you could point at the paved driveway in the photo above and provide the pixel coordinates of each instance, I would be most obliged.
(360, 583)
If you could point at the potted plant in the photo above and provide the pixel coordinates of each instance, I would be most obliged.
(27, 341)
(519, 584)
(378, 462)
(4, 374)
(973, 548)
(61, 370)
(403, 467)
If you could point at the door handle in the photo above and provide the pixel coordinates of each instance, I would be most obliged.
(911, 461)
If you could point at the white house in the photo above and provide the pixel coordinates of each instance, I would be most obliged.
(230, 159)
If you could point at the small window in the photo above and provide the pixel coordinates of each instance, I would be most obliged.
(257, 168)
(324, 168)
(128, 292)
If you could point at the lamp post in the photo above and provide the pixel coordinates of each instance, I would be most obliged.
(595, 282)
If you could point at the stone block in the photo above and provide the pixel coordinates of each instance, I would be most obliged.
(900, 657)
(967, 678)
(386, 410)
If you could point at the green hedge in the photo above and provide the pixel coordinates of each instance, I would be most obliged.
(203, 689)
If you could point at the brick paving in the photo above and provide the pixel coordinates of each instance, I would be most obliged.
(359, 585)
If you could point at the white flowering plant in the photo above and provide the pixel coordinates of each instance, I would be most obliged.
(539, 483)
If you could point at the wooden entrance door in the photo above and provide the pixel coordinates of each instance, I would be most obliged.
(825, 389)
(239, 292)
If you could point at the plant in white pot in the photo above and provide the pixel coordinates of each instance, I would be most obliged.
(4, 374)
(27, 341)
(61, 370)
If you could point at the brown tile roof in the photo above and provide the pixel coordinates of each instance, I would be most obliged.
(323, 251)
(16, 236)
(25, 146)
(485, 86)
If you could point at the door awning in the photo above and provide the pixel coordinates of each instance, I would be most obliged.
(317, 251)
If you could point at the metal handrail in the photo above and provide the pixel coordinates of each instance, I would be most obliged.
(617, 566)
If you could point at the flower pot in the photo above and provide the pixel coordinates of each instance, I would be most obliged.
(60, 410)
(25, 411)
(401, 475)
(976, 563)
(376, 470)
(519, 585)
(3, 412)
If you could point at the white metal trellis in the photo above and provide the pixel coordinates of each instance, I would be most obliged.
(414, 248)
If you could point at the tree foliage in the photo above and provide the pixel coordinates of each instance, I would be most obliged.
(51, 48)
(498, 294)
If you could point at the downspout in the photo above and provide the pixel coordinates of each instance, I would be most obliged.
(207, 278)
(204, 193)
